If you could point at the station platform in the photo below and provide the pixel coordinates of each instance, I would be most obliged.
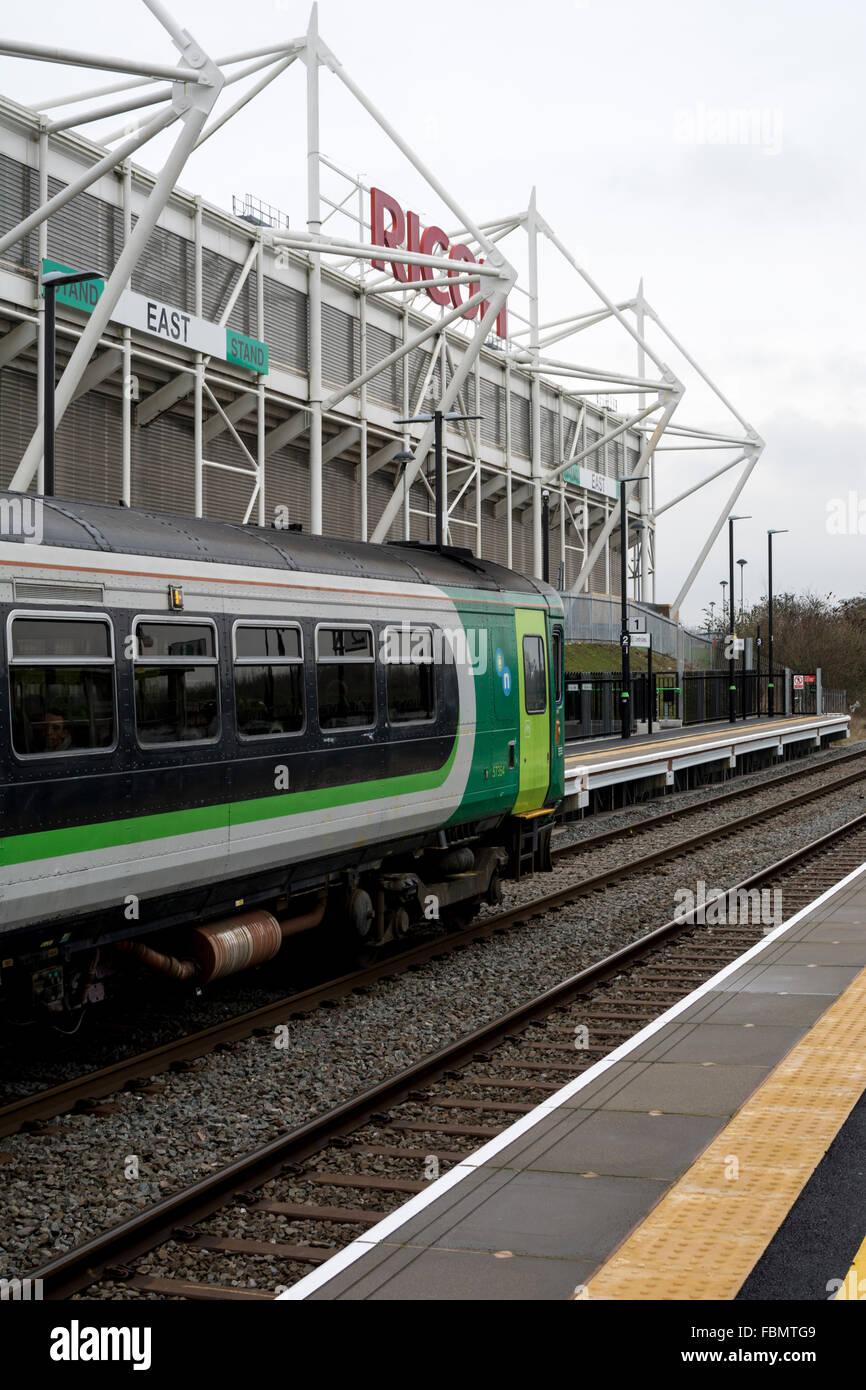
(685, 1165)
(594, 764)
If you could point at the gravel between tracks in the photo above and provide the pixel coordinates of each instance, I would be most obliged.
(87, 1173)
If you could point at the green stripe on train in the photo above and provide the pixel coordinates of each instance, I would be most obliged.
(45, 844)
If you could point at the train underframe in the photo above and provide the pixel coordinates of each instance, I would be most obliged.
(62, 967)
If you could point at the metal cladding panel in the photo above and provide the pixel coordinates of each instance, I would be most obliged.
(244, 316)
(492, 408)
(597, 578)
(89, 448)
(340, 502)
(162, 464)
(521, 425)
(286, 324)
(549, 436)
(85, 233)
(287, 484)
(19, 196)
(219, 275)
(17, 416)
(165, 269)
(594, 460)
(388, 385)
(339, 346)
(568, 428)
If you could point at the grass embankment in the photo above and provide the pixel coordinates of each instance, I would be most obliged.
(606, 656)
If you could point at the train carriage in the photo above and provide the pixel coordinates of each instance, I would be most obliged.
(214, 736)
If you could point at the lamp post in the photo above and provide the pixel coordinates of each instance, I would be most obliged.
(724, 584)
(545, 535)
(54, 280)
(437, 417)
(732, 689)
(770, 685)
(625, 640)
(712, 605)
(742, 564)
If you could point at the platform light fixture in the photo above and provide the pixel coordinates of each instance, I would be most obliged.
(437, 417)
(771, 692)
(625, 639)
(732, 686)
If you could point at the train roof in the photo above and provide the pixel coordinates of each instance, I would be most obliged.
(121, 530)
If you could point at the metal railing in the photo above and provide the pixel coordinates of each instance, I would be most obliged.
(593, 704)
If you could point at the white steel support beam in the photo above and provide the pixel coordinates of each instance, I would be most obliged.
(99, 369)
(237, 410)
(340, 442)
(16, 341)
(535, 389)
(289, 430)
(314, 274)
(672, 400)
(754, 455)
(130, 387)
(192, 105)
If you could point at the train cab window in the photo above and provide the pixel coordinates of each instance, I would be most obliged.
(534, 678)
(61, 678)
(345, 677)
(557, 659)
(410, 674)
(269, 680)
(176, 682)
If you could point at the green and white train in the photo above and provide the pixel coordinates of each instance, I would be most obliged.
(215, 736)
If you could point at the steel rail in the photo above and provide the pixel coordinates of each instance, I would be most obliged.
(107, 1080)
(76, 1269)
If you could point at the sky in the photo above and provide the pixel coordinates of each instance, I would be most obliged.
(715, 149)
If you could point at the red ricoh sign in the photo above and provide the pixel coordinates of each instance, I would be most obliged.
(404, 230)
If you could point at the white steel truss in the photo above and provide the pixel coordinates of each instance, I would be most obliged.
(339, 234)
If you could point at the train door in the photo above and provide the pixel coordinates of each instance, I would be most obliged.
(534, 741)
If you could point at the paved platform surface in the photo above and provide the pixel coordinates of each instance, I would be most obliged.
(596, 763)
(668, 1169)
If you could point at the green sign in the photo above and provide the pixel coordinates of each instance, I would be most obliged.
(246, 352)
(148, 315)
(82, 296)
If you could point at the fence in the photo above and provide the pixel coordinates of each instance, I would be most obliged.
(598, 618)
(593, 703)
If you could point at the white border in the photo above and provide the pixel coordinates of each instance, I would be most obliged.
(321, 1276)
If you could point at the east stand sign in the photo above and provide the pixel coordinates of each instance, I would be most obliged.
(163, 321)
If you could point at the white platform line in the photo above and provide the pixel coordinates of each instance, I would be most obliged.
(377, 1234)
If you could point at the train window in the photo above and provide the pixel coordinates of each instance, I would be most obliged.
(557, 658)
(269, 680)
(534, 680)
(176, 682)
(410, 675)
(345, 678)
(61, 678)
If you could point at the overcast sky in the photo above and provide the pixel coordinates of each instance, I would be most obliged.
(622, 114)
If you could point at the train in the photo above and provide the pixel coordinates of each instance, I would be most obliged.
(216, 736)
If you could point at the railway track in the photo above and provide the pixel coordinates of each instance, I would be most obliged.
(298, 1199)
(89, 1090)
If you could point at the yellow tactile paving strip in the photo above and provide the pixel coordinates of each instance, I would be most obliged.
(709, 1230)
(854, 1287)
